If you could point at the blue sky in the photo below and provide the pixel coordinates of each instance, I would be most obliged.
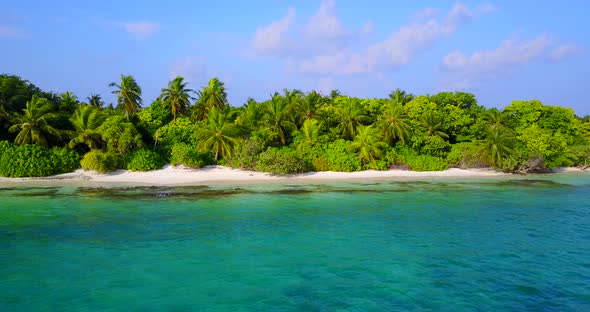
(500, 50)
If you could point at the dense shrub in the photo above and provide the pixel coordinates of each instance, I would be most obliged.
(384, 163)
(65, 160)
(35, 161)
(280, 161)
(581, 155)
(100, 161)
(145, 160)
(189, 156)
(120, 135)
(421, 162)
(244, 155)
(180, 131)
(338, 157)
(467, 155)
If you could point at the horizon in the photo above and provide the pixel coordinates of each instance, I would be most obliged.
(499, 51)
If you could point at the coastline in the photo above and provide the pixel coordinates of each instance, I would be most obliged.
(219, 175)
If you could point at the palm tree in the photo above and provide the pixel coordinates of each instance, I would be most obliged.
(86, 120)
(218, 136)
(495, 118)
(95, 100)
(278, 116)
(69, 102)
(433, 124)
(128, 95)
(176, 96)
(33, 125)
(251, 115)
(498, 144)
(213, 95)
(400, 96)
(306, 108)
(394, 123)
(350, 115)
(367, 144)
(309, 133)
(335, 93)
(292, 98)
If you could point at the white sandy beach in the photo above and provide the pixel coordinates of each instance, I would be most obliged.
(170, 175)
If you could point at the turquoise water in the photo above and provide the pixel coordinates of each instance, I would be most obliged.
(485, 245)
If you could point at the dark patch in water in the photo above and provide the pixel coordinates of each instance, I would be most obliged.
(290, 192)
(32, 191)
(36, 194)
(182, 192)
(527, 183)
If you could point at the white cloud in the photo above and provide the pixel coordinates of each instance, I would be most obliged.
(271, 39)
(141, 29)
(324, 25)
(399, 49)
(10, 32)
(564, 51)
(464, 70)
(191, 68)
(322, 33)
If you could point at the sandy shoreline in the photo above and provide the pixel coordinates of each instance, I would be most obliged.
(170, 175)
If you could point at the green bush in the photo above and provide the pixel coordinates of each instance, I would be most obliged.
(280, 161)
(384, 163)
(466, 155)
(35, 161)
(189, 156)
(145, 160)
(100, 161)
(181, 131)
(338, 157)
(66, 160)
(244, 155)
(421, 162)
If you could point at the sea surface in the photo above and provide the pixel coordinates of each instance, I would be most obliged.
(494, 244)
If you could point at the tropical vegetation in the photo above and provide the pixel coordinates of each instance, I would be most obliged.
(44, 133)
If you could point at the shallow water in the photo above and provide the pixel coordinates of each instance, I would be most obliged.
(446, 245)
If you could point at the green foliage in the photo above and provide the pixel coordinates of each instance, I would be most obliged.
(245, 154)
(467, 155)
(350, 114)
(34, 124)
(64, 160)
(421, 162)
(580, 155)
(386, 162)
(128, 95)
(213, 95)
(367, 145)
(181, 131)
(435, 146)
(218, 135)
(154, 117)
(176, 96)
(35, 161)
(280, 161)
(189, 156)
(144, 160)
(336, 157)
(100, 161)
(120, 135)
(336, 132)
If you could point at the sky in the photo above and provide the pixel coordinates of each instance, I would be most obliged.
(499, 50)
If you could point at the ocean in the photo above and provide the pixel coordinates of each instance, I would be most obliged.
(491, 244)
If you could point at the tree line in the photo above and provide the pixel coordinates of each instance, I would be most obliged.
(46, 133)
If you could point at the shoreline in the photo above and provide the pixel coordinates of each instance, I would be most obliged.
(219, 175)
